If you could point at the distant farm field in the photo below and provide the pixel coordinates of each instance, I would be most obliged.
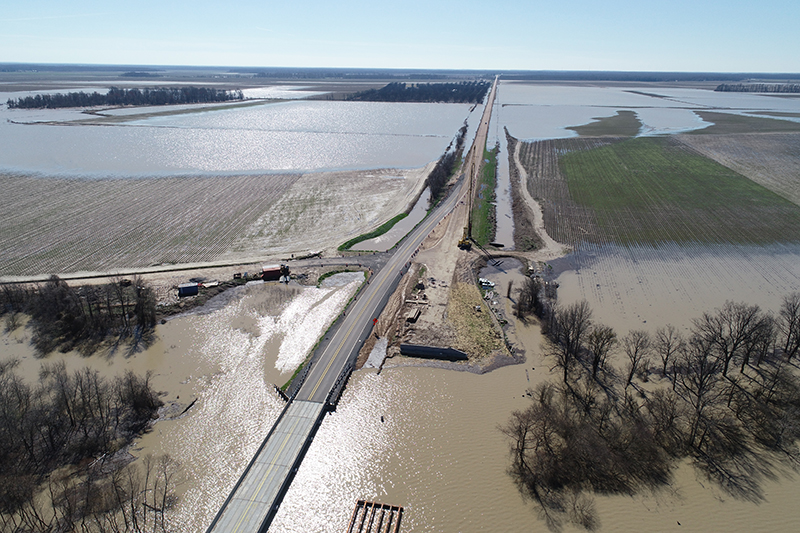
(650, 190)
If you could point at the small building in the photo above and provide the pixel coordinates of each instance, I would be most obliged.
(271, 272)
(188, 289)
(274, 272)
(413, 315)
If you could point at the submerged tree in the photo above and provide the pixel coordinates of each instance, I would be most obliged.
(571, 327)
(588, 434)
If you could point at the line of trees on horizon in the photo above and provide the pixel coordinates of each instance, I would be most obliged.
(758, 87)
(464, 92)
(126, 97)
(726, 396)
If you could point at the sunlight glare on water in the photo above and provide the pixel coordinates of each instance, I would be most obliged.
(237, 404)
(232, 416)
(288, 136)
(305, 319)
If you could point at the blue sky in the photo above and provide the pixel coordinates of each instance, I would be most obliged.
(676, 35)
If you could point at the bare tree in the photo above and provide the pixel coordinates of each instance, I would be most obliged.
(636, 345)
(789, 325)
(529, 298)
(668, 342)
(728, 329)
(760, 341)
(600, 342)
(699, 379)
(571, 328)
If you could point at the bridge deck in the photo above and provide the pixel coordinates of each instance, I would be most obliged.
(261, 484)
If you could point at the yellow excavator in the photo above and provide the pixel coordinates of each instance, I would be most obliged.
(465, 243)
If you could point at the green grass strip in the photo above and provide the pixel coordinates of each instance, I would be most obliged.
(483, 208)
(623, 124)
(380, 230)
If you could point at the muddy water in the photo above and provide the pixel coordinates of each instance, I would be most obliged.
(226, 360)
(644, 287)
(438, 452)
(426, 455)
(384, 242)
(505, 222)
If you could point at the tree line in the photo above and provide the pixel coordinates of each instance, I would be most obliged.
(439, 176)
(726, 395)
(59, 470)
(65, 318)
(126, 97)
(758, 87)
(465, 92)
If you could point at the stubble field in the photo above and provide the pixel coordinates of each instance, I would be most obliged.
(55, 225)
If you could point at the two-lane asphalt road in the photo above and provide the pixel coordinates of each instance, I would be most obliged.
(358, 321)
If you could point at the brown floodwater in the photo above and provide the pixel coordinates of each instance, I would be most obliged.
(646, 287)
(437, 451)
(229, 360)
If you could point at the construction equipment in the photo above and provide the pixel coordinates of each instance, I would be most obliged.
(465, 243)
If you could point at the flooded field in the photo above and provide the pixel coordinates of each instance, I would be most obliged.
(226, 182)
(545, 111)
(272, 137)
(225, 364)
(645, 288)
(428, 439)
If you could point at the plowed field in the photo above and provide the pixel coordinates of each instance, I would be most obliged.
(54, 225)
(650, 190)
(57, 225)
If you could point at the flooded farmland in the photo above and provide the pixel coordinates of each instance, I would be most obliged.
(270, 137)
(644, 287)
(428, 438)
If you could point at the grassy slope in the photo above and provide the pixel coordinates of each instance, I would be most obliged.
(475, 330)
(380, 230)
(648, 190)
(623, 124)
